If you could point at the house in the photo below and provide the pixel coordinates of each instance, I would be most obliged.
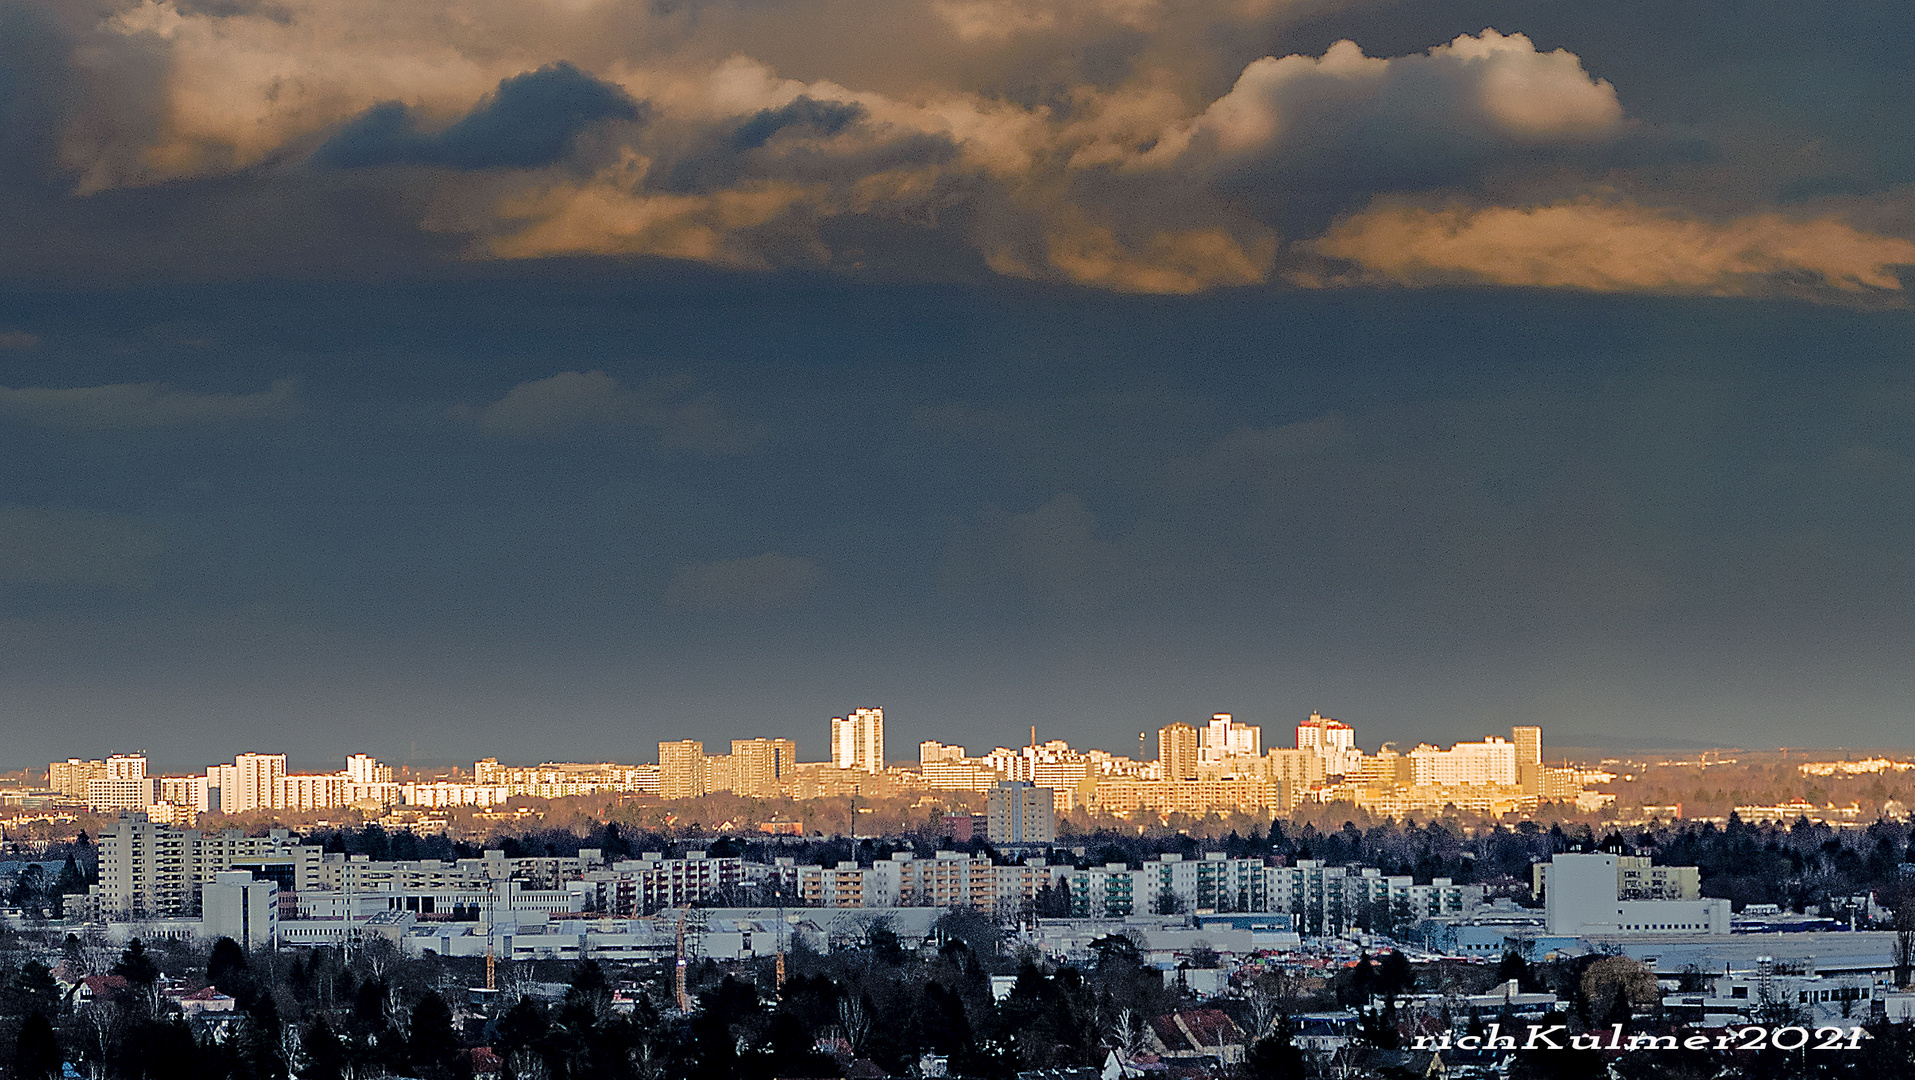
(1205, 1032)
(203, 1001)
(98, 988)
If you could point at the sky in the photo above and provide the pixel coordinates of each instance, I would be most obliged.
(545, 379)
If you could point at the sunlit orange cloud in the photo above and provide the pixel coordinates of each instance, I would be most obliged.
(1171, 175)
(1612, 247)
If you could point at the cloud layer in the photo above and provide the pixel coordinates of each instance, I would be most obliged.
(1129, 145)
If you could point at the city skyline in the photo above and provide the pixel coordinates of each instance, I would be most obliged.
(1223, 768)
(896, 751)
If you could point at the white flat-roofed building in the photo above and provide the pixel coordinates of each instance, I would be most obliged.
(1583, 897)
(238, 905)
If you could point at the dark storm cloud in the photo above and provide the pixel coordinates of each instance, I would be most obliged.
(531, 121)
(813, 117)
(1432, 513)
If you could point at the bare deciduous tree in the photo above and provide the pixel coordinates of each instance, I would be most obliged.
(855, 1021)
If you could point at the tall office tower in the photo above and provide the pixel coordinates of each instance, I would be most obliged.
(124, 787)
(1020, 812)
(857, 740)
(1179, 748)
(365, 769)
(759, 764)
(1334, 740)
(1225, 738)
(681, 769)
(1529, 758)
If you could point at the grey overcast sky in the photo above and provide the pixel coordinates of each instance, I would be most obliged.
(544, 380)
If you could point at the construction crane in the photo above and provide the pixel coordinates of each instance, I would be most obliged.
(779, 985)
(684, 998)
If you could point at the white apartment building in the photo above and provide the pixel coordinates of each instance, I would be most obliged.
(1020, 812)
(150, 870)
(1320, 899)
(857, 740)
(124, 785)
(1333, 740)
(931, 750)
(450, 793)
(366, 769)
(1489, 762)
(650, 882)
(70, 777)
(1334, 899)
(682, 769)
(248, 784)
(147, 870)
(1636, 879)
(557, 779)
(958, 775)
(1223, 738)
(951, 879)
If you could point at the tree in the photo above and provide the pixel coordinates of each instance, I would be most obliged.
(228, 970)
(1614, 984)
(36, 1054)
(431, 1043)
(1359, 984)
(71, 880)
(1513, 966)
(1276, 1055)
(1053, 901)
(521, 1037)
(258, 1043)
(29, 891)
(142, 974)
(1904, 923)
(31, 990)
(323, 1053)
(1394, 976)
